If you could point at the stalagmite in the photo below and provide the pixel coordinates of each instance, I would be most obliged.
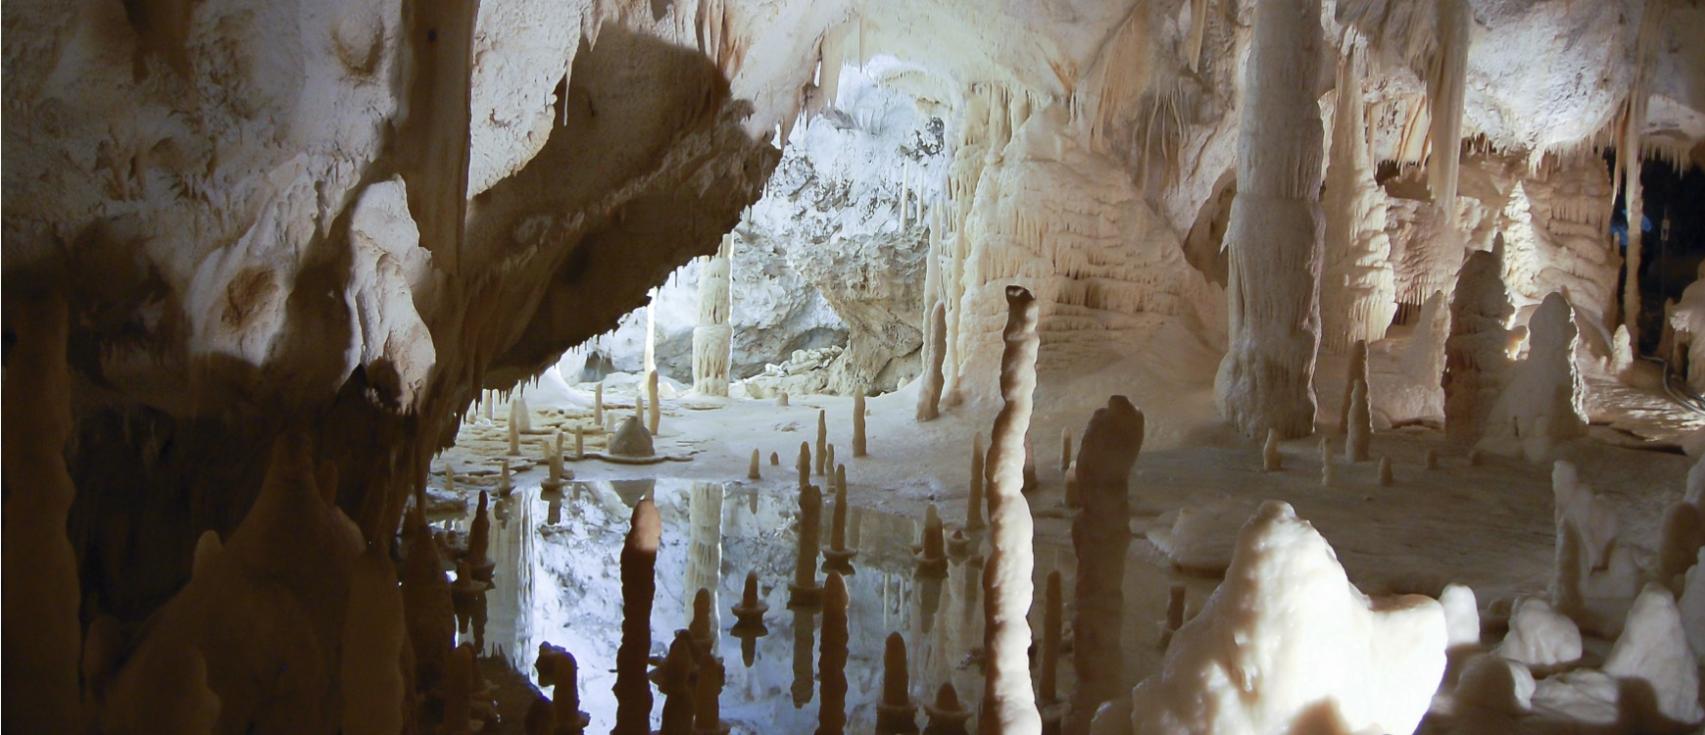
(639, 407)
(804, 465)
(649, 364)
(655, 407)
(1065, 449)
(675, 682)
(932, 558)
(1358, 372)
(1542, 404)
(1447, 82)
(1358, 291)
(775, 459)
(458, 689)
(1100, 536)
(514, 436)
(1174, 614)
(781, 400)
(946, 715)
(713, 336)
(749, 613)
(564, 677)
(598, 406)
(1031, 484)
(1008, 703)
(832, 660)
(1273, 240)
(519, 414)
(1361, 424)
(1431, 459)
(639, 586)
(935, 351)
(897, 713)
(1539, 636)
(859, 446)
(804, 675)
(822, 441)
(1047, 686)
(838, 555)
(1385, 477)
(479, 540)
(373, 638)
(702, 626)
(490, 398)
(1271, 459)
(752, 469)
(1476, 361)
(974, 498)
(804, 587)
(504, 485)
(1652, 650)
(1595, 575)
(1074, 497)
(42, 596)
(828, 459)
(426, 604)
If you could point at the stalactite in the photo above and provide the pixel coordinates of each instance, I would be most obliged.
(1630, 154)
(1273, 239)
(1447, 83)
(1008, 703)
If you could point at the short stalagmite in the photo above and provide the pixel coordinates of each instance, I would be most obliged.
(822, 447)
(1476, 361)
(675, 683)
(1386, 479)
(514, 435)
(804, 465)
(639, 586)
(1358, 372)
(935, 351)
(749, 613)
(1542, 406)
(752, 469)
(598, 406)
(932, 557)
(1008, 704)
(1361, 424)
(832, 659)
(775, 459)
(946, 715)
(1325, 462)
(838, 556)
(707, 698)
(1065, 449)
(897, 714)
(1100, 535)
(1047, 685)
(860, 446)
(828, 459)
(702, 626)
(712, 336)
(804, 588)
(781, 400)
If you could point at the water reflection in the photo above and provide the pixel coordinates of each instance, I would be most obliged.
(557, 580)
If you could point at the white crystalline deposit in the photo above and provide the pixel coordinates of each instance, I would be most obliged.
(1286, 642)
(1540, 636)
(1653, 649)
(1542, 405)
(1596, 576)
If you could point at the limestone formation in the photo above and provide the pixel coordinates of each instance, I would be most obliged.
(1100, 535)
(479, 541)
(373, 640)
(828, 459)
(1271, 459)
(932, 557)
(1539, 636)
(775, 459)
(631, 440)
(860, 447)
(458, 692)
(1358, 371)
(1476, 359)
(559, 670)
(749, 613)
(639, 586)
(1325, 462)
(1065, 449)
(838, 555)
(1284, 633)
(713, 336)
(426, 604)
(803, 465)
(946, 715)
(1653, 651)
(1358, 294)
(598, 406)
(929, 391)
(1541, 406)
(1596, 576)
(781, 400)
(1360, 424)
(1008, 704)
(1386, 479)
(1047, 687)
(1431, 459)
(1273, 241)
(822, 446)
(752, 468)
(675, 683)
(702, 627)
(707, 698)
(514, 428)
(897, 713)
(1681, 535)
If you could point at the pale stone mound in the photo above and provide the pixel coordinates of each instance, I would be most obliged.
(1540, 636)
(1596, 576)
(1286, 642)
(1653, 649)
(1542, 405)
(631, 440)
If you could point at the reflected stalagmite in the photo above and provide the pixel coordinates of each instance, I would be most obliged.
(639, 585)
(804, 675)
(828, 459)
(749, 613)
(1100, 534)
(1009, 705)
(558, 668)
(946, 715)
(702, 627)
(707, 698)
(675, 682)
(504, 484)
(897, 713)
(479, 541)
(838, 556)
(832, 661)
(932, 558)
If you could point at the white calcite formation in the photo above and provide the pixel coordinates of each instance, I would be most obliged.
(1596, 575)
(1692, 606)
(1100, 536)
(1287, 640)
(1360, 423)
(1653, 650)
(935, 352)
(1358, 293)
(1541, 407)
(1539, 636)
(1477, 360)
(713, 335)
(1009, 705)
(1266, 379)
(1462, 616)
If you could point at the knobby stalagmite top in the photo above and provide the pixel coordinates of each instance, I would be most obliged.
(1100, 535)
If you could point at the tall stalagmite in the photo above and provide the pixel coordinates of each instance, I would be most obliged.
(42, 631)
(1274, 236)
(639, 586)
(860, 446)
(1477, 362)
(713, 337)
(1009, 705)
(935, 350)
(1100, 534)
(1358, 291)
(974, 520)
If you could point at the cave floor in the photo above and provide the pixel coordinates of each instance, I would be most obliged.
(1487, 526)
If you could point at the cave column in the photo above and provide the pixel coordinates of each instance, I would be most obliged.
(713, 336)
(1274, 236)
(1629, 155)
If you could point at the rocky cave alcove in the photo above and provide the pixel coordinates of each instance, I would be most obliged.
(1074, 366)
